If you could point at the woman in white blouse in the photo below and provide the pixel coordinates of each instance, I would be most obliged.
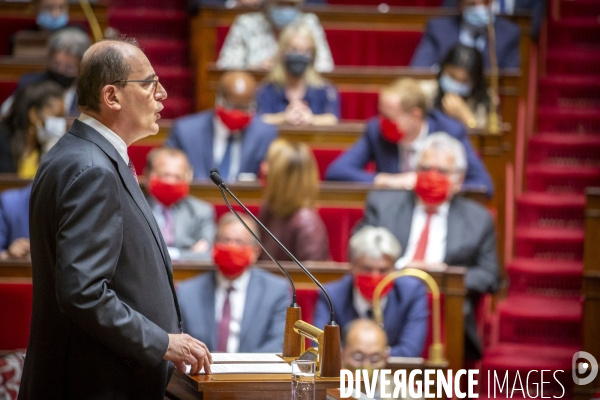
(252, 39)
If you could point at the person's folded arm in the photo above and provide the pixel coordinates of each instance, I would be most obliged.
(350, 166)
(89, 240)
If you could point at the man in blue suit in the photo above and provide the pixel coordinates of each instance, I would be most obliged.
(393, 139)
(229, 137)
(373, 252)
(14, 223)
(238, 308)
(470, 29)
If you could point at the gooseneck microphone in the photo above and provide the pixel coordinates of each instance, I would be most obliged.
(218, 180)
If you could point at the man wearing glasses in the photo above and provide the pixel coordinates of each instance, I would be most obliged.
(106, 322)
(434, 226)
(229, 137)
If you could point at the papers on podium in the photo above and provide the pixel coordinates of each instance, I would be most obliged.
(242, 358)
(247, 363)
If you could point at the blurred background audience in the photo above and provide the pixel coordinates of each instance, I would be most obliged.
(14, 223)
(33, 125)
(373, 253)
(288, 210)
(229, 137)
(252, 39)
(294, 92)
(186, 223)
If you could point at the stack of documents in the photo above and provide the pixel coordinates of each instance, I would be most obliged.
(247, 363)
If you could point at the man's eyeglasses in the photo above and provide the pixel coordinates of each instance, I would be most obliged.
(443, 171)
(155, 81)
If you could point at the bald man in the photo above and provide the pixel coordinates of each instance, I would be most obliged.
(229, 137)
(106, 322)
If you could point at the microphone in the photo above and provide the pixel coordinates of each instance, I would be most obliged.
(218, 180)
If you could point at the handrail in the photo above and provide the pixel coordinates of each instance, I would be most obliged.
(92, 20)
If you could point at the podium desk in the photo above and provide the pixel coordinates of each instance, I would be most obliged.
(238, 387)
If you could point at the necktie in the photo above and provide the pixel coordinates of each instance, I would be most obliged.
(168, 233)
(422, 243)
(223, 326)
(132, 169)
(226, 160)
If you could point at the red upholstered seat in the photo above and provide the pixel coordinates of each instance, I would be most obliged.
(340, 221)
(15, 315)
(159, 23)
(358, 105)
(138, 154)
(307, 300)
(6, 89)
(11, 25)
(325, 157)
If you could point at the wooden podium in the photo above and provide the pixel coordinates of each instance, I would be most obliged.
(237, 387)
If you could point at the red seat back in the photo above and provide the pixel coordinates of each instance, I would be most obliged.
(138, 155)
(339, 222)
(359, 105)
(325, 157)
(15, 315)
(6, 89)
(221, 209)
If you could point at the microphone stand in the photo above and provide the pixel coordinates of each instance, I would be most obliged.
(330, 363)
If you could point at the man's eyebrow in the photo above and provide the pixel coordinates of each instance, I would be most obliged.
(151, 76)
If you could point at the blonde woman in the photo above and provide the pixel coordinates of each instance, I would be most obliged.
(289, 210)
(294, 92)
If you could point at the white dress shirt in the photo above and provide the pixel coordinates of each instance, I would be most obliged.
(237, 300)
(436, 240)
(409, 151)
(108, 134)
(220, 146)
(362, 305)
(467, 37)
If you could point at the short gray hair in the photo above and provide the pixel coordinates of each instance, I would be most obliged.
(374, 243)
(441, 141)
(72, 40)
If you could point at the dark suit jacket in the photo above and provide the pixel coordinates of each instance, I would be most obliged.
(35, 77)
(14, 215)
(263, 321)
(471, 241)
(103, 295)
(442, 34)
(405, 317)
(350, 166)
(8, 164)
(194, 135)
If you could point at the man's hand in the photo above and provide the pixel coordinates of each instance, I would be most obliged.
(200, 246)
(184, 349)
(405, 180)
(18, 249)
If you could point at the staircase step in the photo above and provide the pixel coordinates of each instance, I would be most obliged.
(177, 81)
(569, 91)
(548, 210)
(540, 320)
(176, 107)
(160, 4)
(150, 23)
(566, 60)
(579, 8)
(549, 243)
(561, 179)
(545, 277)
(165, 52)
(561, 149)
(568, 120)
(576, 32)
(522, 358)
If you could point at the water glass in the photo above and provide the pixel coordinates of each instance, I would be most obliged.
(303, 380)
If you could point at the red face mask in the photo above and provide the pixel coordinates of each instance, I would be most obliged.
(390, 130)
(168, 193)
(366, 284)
(432, 187)
(233, 119)
(232, 259)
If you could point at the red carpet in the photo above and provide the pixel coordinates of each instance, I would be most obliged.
(538, 325)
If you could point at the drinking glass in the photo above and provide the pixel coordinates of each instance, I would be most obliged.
(303, 380)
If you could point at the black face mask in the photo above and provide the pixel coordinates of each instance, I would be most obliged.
(296, 64)
(63, 80)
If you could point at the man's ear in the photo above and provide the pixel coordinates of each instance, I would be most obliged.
(417, 113)
(110, 97)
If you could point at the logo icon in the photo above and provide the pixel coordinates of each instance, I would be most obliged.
(580, 367)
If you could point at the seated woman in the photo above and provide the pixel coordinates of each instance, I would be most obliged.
(289, 203)
(252, 39)
(462, 89)
(33, 125)
(295, 93)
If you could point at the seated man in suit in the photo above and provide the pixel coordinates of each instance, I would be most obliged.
(238, 308)
(65, 50)
(230, 137)
(393, 139)
(373, 252)
(471, 29)
(186, 223)
(14, 223)
(433, 225)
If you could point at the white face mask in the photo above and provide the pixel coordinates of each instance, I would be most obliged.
(53, 129)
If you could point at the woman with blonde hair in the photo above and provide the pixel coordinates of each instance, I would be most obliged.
(288, 209)
(295, 92)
